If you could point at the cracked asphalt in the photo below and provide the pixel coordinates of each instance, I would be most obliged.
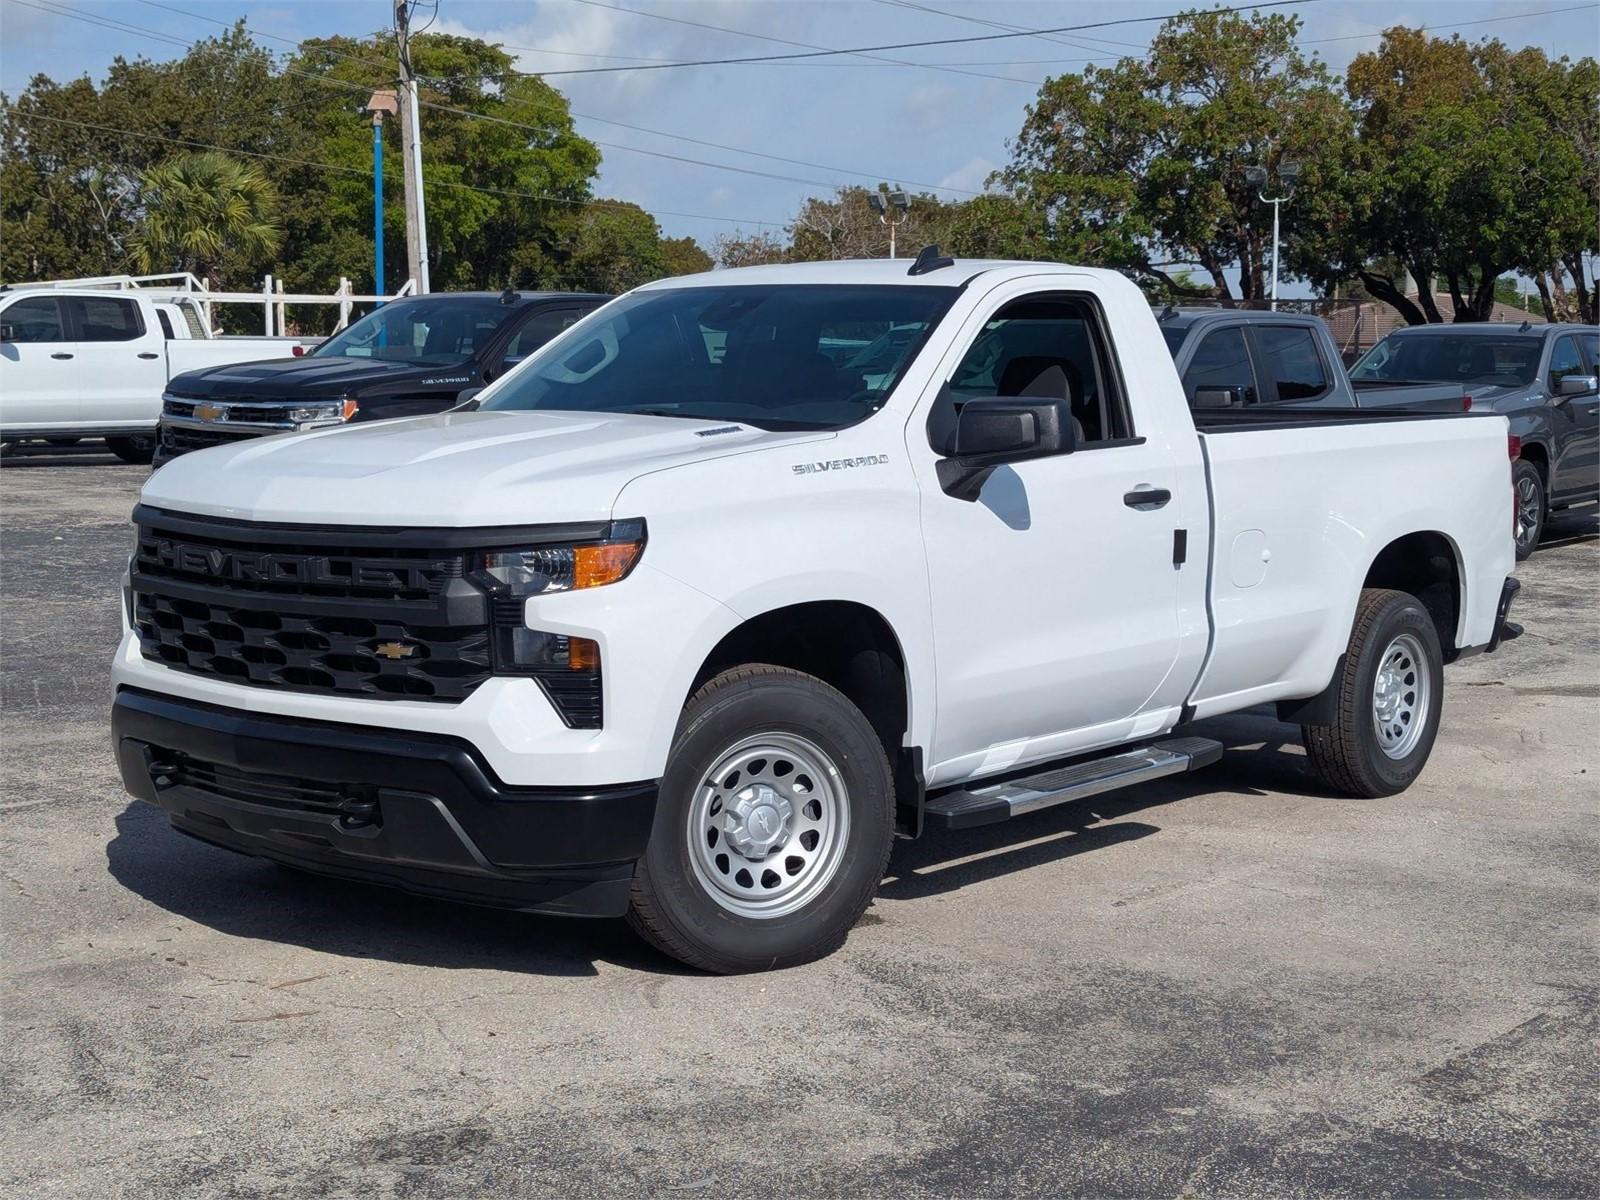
(1225, 984)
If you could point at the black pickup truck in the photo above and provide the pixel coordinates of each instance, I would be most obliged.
(404, 359)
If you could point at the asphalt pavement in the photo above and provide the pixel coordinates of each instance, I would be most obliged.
(1230, 983)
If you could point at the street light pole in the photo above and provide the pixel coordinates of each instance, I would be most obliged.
(1288, 173)
(381, 102)
(883, 205)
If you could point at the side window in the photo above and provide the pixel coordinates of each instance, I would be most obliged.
(1221, 362)
(166, 323)
(1591, 346)
(36, 319)
(106, 319)
(1565, 360)
(537, 330)
(1047, 346)
(1290, 362)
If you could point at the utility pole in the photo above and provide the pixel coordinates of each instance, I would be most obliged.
(385, 101)
(411, 144)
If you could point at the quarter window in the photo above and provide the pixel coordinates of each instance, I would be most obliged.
(36, 319)
(1290, 362)
(106, 319)
(538, 330)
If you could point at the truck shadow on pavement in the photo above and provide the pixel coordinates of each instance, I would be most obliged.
(250, 898)
(1263, 756)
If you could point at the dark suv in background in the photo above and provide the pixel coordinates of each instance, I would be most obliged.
(405, 359)
(1542, 377)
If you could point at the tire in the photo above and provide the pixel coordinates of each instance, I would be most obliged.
(785, 886)
(1389, 694)
(140, 448)
(1533, 506)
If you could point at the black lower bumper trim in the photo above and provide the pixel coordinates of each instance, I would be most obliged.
(420, 812)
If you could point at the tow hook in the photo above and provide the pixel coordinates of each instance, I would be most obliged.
(359, 814)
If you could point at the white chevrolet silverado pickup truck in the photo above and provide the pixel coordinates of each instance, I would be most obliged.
(747, 572)
(87, 362)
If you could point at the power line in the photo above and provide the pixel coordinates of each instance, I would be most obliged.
(1043, 37)
(827, 53)
(271, 37)
(762, 37)
(365, 172)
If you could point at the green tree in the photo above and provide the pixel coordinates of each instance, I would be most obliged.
(1470, 162)
(1141, 165)
(748, 250)
(845, 226)
(684, 256)
(202, 212)
(612, 247)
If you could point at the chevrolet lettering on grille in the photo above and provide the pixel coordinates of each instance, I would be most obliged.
(253, 566)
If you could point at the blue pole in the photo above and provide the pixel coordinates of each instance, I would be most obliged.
(377, 204)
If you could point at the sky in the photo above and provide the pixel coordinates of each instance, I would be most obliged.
(933, 117)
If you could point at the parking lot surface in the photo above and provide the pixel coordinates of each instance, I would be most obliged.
(1230, 983)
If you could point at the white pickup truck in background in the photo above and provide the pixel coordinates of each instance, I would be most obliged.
(88, 362)
(695, 612)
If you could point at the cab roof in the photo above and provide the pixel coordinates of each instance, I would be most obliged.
(878, 271)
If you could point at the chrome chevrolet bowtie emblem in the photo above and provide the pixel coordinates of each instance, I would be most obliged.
(393, 650)
(209, 412)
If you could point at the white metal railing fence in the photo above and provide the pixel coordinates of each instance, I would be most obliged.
(272, 298)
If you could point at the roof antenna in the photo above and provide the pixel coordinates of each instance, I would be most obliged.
(509, 296)
(1167, 313)
(1525, 326)
(930, 260)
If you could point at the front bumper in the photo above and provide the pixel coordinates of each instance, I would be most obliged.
(423, 813)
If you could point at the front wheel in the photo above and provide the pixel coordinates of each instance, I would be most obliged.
(1389, 692)
(139, 448)
(773, 827)
(1532, 506)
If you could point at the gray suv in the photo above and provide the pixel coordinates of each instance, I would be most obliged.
(1543, 377)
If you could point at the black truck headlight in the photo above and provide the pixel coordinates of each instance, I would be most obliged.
(567, 668)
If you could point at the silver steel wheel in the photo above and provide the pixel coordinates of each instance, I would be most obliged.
(1528, 513)
(1401, 695)
(768, 826)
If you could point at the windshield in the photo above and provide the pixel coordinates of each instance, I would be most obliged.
(790, 356)
(434, 331)
(1481, 359)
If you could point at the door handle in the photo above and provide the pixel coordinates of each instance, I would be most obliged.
(1146, 498)
(148, 354)
(60, 355)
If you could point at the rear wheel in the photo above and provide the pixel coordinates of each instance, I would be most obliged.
(773, 827)
(139, 448)
(1388, 693)
(1532, 506)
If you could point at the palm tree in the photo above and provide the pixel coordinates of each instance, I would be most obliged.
(203, 212)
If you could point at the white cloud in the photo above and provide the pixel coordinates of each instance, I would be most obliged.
(969, 176)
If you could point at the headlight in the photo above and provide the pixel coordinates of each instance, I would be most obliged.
(566, 567)
(323, 412)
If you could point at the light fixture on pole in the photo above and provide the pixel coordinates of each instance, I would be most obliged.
(1288, 175)
(885, 206)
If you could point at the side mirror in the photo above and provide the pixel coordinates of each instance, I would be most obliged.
(1217, 398)
(1577, 385)
(1002, 429)
(8, 333)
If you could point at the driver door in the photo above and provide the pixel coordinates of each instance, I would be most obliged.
(1055, 597)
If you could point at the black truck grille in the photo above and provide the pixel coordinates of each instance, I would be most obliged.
(348, 656)
(175, 440)
(274, 608)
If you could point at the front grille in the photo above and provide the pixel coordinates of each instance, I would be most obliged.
(272, 607)
(347, 656)
(180, 441)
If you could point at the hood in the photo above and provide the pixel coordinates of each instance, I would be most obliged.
(296, 378)
(1491, 397)
(453, 469)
